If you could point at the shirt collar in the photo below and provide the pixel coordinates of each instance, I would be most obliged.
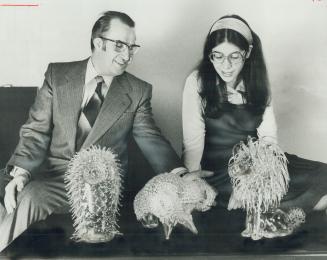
(91, 73)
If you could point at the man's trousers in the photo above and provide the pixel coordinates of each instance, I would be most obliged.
(40, 198)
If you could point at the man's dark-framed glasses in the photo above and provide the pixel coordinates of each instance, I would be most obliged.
(121, 46)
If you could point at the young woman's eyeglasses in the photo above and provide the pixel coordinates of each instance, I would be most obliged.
(233, 58)
(121, 46)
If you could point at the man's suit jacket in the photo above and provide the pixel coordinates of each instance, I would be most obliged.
(48, 137)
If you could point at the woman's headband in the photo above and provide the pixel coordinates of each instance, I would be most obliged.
(233, 24)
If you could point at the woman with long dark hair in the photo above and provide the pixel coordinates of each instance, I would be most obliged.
(226, 100)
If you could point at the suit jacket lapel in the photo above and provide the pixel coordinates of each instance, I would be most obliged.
(114, 105)
(70, 97)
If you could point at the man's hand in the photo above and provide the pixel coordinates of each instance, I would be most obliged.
(197, 174)
(15, 185)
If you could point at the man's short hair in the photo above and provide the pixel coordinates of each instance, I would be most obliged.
(103, 23)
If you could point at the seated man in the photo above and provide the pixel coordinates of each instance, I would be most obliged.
(82, 103)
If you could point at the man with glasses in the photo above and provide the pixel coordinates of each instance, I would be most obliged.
(83, 103)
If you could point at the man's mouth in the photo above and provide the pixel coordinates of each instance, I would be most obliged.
(121, 63)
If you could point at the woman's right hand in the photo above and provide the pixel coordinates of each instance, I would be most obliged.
(197, 174)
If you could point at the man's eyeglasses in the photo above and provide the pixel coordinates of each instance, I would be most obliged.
(233, 58)
(121, 46)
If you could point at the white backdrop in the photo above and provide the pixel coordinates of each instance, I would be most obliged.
(172, 33)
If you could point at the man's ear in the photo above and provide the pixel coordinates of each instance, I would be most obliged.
(249, 51)
(97, 42)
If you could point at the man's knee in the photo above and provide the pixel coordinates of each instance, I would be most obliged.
(32, 198)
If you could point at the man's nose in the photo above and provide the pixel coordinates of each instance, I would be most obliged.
(126, 54)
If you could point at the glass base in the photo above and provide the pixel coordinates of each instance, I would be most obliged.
(91, 236)
(272, 224)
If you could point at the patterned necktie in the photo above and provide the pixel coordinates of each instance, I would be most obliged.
(89, 114)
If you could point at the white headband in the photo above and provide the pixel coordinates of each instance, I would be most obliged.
(233, 24)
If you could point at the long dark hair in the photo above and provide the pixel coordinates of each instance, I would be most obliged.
(253, 74)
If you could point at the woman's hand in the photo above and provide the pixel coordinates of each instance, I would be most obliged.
(197, 174)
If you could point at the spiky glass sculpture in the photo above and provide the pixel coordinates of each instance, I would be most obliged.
(93, 182)
(171, 199)
(259, 176)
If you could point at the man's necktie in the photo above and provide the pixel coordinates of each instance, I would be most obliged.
(92, 109)
(89, 114)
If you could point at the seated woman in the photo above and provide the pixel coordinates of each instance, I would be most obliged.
(226, 100)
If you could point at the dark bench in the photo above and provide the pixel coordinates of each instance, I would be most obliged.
(14, 106)
(51, 237)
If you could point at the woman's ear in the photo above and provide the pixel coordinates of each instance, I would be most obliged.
(249, 51)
